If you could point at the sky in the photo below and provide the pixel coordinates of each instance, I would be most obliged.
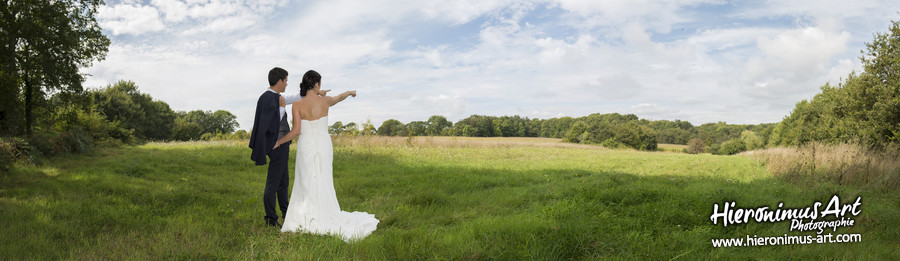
(742, 62)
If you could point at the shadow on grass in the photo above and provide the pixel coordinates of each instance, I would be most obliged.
(199, 203)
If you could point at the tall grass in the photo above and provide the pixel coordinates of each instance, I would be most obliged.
(840, 164)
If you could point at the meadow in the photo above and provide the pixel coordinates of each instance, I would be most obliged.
(437, 198)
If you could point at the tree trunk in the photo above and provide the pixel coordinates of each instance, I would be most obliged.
(28, 98)
(28, 90)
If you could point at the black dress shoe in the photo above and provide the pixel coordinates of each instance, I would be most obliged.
(272, 222)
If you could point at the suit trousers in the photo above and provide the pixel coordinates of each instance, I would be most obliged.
(277, 181)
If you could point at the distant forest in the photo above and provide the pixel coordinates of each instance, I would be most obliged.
(610, 130)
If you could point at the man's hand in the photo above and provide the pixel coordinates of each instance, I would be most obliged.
(323, 92)
(281, 101)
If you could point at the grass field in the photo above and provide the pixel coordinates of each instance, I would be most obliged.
(437, 198)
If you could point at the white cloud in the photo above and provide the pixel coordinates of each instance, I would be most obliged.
(174, 10)
(658, 14)
(793, 62)
(130, 19)
(614, 87)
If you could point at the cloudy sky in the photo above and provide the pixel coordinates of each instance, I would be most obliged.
(696, 60)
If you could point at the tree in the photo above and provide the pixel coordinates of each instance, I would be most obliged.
(636, 135)
(185, 129)
(194, 124)
(751, 140)
(416, 128)
(391, 127)
(438, 125)
(44, 43)
(479, 126)
(731, 147)
(556, 127)
(578, 133)
(150, 119)
(367, 128)
(864, 108)
(224, 122)
(337, 128)
(351, 129)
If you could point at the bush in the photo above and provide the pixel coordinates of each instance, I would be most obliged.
(88, 124)
(714, 148)
(51, 143)
(14, 150)
(695, 146)
(237, 135)
(636, 136)
(731, 147)
(612, 143)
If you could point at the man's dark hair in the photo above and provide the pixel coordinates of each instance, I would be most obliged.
(277, 74)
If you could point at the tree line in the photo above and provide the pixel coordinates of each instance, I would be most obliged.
(610, 130)
(120, 114)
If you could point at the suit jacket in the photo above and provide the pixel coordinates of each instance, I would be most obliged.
(265, 127)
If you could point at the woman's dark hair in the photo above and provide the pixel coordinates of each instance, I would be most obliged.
(277, 74)
(310, 79)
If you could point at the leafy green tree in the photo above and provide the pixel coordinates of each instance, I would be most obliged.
(481, 126)
(122, 102)
(864, 108)
(637, 136)
(556, 127)
(438, 125)
(751, 140)
(731, 147)
(367, 128)
(578, 133)
(337, 128)
(673, 132)
(533, 128)
(43, 43)
(416, 128)
(193, 125)
(351, 129)
(391, 127)
(224, 122)
(185, 129)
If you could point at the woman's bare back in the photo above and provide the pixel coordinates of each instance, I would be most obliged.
(311, 107)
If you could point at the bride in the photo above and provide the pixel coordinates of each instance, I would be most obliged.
(313, 206)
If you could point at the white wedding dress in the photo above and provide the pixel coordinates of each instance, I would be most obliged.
(314, 206)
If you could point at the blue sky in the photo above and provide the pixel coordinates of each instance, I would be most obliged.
(696, 60)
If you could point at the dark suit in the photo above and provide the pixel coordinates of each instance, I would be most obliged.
(267, 129)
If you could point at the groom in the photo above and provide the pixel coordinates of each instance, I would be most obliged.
(270, 124)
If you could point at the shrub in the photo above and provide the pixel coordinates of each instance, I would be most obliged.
(731, 147)
(14, 150)
(695, 146)
(612, 143)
